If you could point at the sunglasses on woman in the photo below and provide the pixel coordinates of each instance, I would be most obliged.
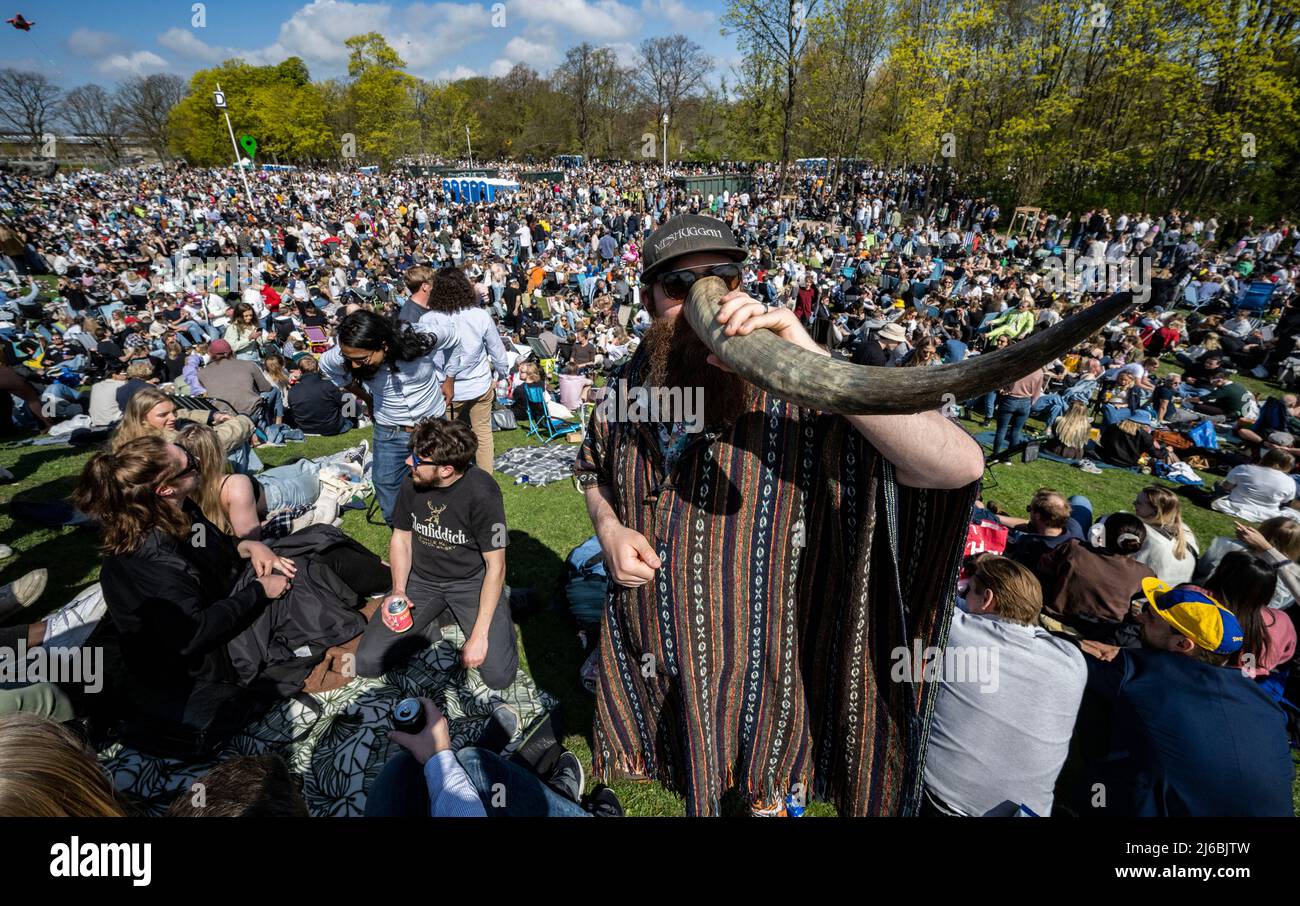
(677, 284)
(192, 464)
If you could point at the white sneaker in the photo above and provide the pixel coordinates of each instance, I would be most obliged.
(6, 552)
(23, 592)
(1087, 465)
(72, 624)
(358, 453)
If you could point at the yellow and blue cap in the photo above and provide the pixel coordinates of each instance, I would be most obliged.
(1193, 612)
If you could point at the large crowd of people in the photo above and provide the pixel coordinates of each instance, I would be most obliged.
(157, 317)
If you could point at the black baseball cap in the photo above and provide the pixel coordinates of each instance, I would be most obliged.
(683, 235)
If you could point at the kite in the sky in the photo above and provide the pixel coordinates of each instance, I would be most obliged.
(20, 23)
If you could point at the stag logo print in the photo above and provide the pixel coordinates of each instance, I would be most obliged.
(435, 534)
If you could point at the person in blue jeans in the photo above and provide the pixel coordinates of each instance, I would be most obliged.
(1049, 407)
(427, 778)
(1013, 412)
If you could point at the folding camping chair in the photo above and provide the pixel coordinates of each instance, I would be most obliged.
(542, 425)
(317, 341)
(1257, 296)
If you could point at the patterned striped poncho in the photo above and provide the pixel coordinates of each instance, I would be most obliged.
(760, 656)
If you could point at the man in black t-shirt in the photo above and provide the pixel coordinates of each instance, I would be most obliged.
(447, 552)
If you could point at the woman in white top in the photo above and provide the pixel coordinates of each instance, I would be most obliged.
(480, 353)
(1170, 547)
(1255, 492)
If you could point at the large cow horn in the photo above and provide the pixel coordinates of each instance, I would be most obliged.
(831, 385)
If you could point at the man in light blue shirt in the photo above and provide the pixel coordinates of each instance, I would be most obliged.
(402, 373)
(1008, 698)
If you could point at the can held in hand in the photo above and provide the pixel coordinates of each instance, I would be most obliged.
(408, 716)
(397, 615)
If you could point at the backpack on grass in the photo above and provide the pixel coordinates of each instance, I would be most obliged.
(586, 582)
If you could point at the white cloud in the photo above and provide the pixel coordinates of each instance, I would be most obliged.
(126, 66)
(626, 53)
(537, 55)
(677, 14)
(85, 42)
(422, 34)
(186, 45)
(454, 75)
(500, 68)
(605, 19)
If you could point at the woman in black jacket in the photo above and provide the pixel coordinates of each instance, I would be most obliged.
(201, 620)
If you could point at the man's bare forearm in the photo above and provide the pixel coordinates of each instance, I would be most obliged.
(494, 581)
(399, 559)
(600, 508)
(927, 450)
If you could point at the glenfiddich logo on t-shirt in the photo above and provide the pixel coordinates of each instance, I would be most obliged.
(439, 536)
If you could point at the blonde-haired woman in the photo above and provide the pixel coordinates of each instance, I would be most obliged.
(152, 412)
(1170, 547)
(1071, 431)
(47, 771)
(243, 505)
(531, 376)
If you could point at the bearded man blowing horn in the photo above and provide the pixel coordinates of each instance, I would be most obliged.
(768, 567)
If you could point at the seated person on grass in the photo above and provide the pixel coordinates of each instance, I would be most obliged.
(1172, 728)
(426, 778)
(1088, 589)
(1226, 398)
(1124, 443)
(1050, 524)
(1257, 492)
(208, 626)
(1000, 738)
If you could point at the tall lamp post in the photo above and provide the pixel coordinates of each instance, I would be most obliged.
(665, 144)
(219, 99)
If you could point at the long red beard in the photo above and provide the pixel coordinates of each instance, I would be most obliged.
(679, 358)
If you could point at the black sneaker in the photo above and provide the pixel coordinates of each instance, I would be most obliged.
(603, 803)
(499, 730)
(567, 777)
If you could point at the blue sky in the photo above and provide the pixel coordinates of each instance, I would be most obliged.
(105, 41)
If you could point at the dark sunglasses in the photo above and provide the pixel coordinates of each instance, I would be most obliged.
(416, 462)
(676, 284)
(192, 464)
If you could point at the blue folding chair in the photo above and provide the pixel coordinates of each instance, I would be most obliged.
(542, 426)
(1257, 296)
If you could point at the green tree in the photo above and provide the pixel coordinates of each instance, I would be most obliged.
(381, 100)
(778, 31)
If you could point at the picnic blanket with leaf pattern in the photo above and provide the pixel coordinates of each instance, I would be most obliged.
(346, 744)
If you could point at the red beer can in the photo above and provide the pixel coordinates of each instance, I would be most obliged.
(397, 615)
